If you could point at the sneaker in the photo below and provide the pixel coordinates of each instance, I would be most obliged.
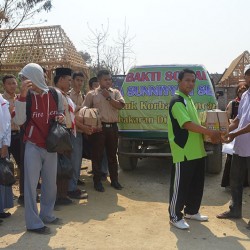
(181, 224)
(197, 217)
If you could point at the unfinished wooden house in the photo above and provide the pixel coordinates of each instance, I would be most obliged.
(48, 46)
(234, 74)
(231, 78)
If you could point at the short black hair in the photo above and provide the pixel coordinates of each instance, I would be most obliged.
(75, 74)
(102, 72)
(184, 71)
(5, 77)
(57, 77)
(91, 81)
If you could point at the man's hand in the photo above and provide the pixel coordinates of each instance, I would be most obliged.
(105, 93)
(229, 138)
(215, 136)
(60, 118)
(4, 151)
(25, 86)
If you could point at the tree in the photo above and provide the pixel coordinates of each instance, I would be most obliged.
(86, 57)
(96, 42)
(105, 56)
(124, 44)
(111, 59)
(15, 12)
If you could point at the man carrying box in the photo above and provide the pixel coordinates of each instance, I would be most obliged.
(187, 147)
(241, 156)
(108, 101)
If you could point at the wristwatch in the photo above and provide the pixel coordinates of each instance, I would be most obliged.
(108, 98)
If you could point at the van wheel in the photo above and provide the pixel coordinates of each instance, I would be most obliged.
(214, 161)
(125, 162)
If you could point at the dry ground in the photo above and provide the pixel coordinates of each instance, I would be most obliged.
(134, 218)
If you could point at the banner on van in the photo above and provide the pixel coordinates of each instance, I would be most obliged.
(148, 90)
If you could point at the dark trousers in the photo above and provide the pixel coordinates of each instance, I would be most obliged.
(186, 188)
(225, 181)
(16, 149)
(237, 176)
(106, 139)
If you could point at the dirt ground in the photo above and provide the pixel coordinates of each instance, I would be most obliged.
(134, 218)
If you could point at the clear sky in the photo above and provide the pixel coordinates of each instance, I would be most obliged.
(211, 32)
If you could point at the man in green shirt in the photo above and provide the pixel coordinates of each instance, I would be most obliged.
(187, 147)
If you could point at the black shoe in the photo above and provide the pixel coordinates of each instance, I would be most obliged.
(56, 221)
(228, 215)
(116, 185)
(80, 183)
(99, 187)
(63, 201)
(78, 194)
(20, 200)
(5, 215)
(42, 230)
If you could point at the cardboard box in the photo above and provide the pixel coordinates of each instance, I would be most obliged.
(214, 120)
(91, 117)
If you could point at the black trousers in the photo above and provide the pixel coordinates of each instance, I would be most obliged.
(186, 188)
(225, 181)
(237, 176)
(108, 139)
(16, 149)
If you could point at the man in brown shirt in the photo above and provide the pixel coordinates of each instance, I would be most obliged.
(76, 156)
(75, 93)
(16, 149)
(108, 101)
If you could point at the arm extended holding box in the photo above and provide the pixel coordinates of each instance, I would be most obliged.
(215, 135)
(230, 137)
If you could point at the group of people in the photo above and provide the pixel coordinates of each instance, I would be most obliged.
(25, 121)
(187, 147)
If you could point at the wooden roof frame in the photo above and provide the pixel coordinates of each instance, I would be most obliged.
(48, 46)
(235, 72)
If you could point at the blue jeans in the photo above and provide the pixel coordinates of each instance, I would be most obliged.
(76, 160)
